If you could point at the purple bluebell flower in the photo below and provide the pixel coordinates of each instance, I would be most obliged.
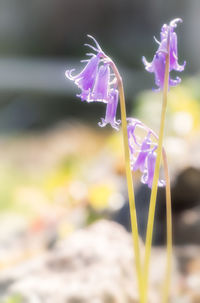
(111, 109)
(147, 177)
(157, 66)
(85, 80)
(142, 148)
(101, 87)
(131, 137)
(140, 161)
(96, 84)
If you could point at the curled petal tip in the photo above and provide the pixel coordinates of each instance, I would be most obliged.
(156, 40)
(114, 125)
(102, 123)
(68, 74)
(184, 64)
(174, 22)
(144, 61)
(174, 82)
(148, 65)
(90, 36)
(181, 68)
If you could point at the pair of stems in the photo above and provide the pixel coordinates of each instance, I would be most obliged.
(154, 190)
(143, 273)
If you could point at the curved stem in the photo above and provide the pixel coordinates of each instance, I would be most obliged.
(166, 285)
(152, 206)
(133, 215)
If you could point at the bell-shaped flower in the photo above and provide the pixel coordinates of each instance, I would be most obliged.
(85, 80)
(142, 151)
(140, 162)
(111, 109)
(157, 66)
(100, 90)
(96, 85)
(147, 177)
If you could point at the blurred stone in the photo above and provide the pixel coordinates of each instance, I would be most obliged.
(92, 265)
(189, 265)
(186, 189)
(187, 226)
(185, 194)
(142, 198)
(95, 264)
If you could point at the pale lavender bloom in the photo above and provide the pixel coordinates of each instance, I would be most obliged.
(132, 141)
(157, 66)
(140, 162)
(111, 109)
(147, 177)
(142, 151)
(96, 84)
(100, 90)
(85, 80)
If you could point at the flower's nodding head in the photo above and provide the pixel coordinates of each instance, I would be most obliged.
(168, 43)
(96, 84)
(86, 78)
(143, 151)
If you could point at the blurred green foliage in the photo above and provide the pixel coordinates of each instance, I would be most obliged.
(14, 299)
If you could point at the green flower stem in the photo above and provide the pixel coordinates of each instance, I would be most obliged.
(154, 190)
(133, 215)
(167, 281)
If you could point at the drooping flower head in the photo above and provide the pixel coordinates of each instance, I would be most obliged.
(168, 41)
(142, 146)
(86, 78)
(96, 84)
(111, 109)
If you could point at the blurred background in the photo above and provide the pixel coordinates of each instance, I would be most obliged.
(60, 172)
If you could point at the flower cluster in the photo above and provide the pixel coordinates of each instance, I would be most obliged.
(143, 145)
(96, 84)
(168, 42)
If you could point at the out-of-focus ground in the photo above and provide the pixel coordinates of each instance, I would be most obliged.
(64, 178)
(97, 264)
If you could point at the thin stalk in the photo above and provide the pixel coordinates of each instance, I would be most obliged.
(134, 225)
(152, 206)
(167, 281)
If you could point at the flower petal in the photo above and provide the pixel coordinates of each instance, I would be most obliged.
(111, 109)
(101, 85)
(140, 162)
